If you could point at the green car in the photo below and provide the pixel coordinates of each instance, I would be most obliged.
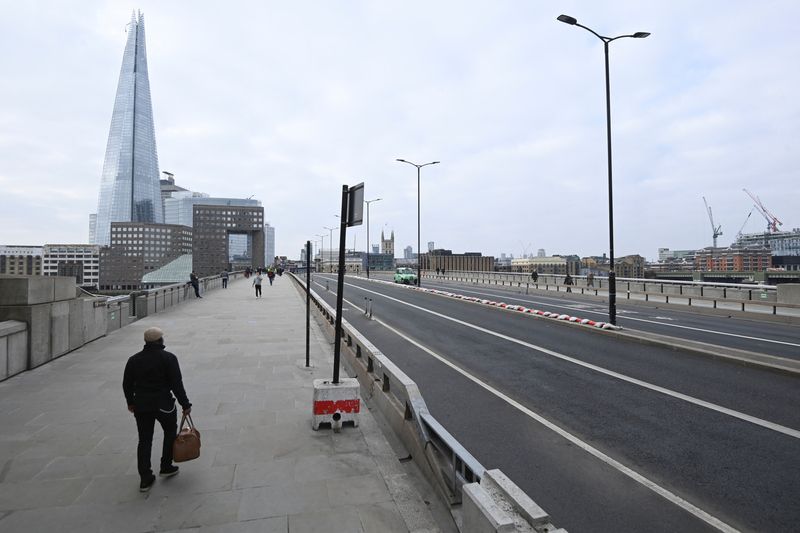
(405, 275)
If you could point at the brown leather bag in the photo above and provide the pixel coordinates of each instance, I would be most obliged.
(187, 444)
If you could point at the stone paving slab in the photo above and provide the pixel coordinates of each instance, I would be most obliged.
(68, 444)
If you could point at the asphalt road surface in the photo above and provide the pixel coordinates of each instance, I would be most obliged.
(604, 434)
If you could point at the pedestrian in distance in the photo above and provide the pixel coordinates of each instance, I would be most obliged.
(568, 282)
(535, 276)
(590, 280)
(224, 277)
(151, 378)
(257, 284)
(270, 276)
(195, 281)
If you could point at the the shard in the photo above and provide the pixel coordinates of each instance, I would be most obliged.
(129, 187)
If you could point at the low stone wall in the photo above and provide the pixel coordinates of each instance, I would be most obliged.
(55, 321)
(13, 348)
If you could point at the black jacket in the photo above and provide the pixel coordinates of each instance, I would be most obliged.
(151, 377)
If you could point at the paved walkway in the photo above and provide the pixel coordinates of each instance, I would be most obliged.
(68, 444)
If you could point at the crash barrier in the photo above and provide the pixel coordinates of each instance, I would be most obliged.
(764, 299)
(45, 317)
(444, 461)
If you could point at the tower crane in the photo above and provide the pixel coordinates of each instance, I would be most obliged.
(739, 234)
(716, 230)
(772, 220)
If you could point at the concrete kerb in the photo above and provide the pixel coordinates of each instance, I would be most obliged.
(732, 355)
(402, 405)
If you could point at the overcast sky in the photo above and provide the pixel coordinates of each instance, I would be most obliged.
(288, 101)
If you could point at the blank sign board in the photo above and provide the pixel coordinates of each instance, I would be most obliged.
(355, 205)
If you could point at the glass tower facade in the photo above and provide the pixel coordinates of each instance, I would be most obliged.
(129, 187)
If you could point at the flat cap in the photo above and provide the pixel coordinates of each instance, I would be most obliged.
(153, 334)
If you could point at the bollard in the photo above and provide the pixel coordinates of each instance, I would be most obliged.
(370, 308)
(366, 309)
(327, 286)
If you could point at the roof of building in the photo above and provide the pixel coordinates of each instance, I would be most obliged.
(175, 271)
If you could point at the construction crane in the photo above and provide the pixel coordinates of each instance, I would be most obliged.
(772, 220)
(739, 234)
(716, 230)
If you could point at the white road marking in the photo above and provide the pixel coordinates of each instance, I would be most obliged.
(639, 478)
(624, 312)
(622, 377)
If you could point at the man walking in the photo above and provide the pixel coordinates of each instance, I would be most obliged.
(151, 378)
(193, 279)
(257, 284)
(224, 277)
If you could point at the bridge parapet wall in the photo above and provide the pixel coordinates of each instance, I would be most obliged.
(57, 320)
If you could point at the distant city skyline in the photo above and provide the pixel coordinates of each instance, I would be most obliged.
(287, 104)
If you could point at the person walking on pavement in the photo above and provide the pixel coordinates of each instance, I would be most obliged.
(195, 281)
(224, 277)
(568, 282)
(535, 276)
(257, 284)
(151, 378)
(270, 275)
(590, 280)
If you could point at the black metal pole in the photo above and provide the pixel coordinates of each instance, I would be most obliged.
(367, 239)
(612, 276)
(308, 303)
(337, 345)
(419, 250)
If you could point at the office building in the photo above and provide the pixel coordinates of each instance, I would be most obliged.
(431, 246)
(213, 225)
(446, 259)
(129, 186)
(21, 260)
(408, 252)
(80, 261)
(557, 264)
(138, 248)
(269, 244)
(733, 259)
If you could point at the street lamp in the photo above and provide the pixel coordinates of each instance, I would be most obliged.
(612, 277)
(330, 243)
(419, 250)
(321, 249)
(369, 202)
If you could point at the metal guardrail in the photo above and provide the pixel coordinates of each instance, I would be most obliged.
(399, 399)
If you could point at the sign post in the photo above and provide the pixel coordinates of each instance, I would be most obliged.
(351, 215)
(308, 304)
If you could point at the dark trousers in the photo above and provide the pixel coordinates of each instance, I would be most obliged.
(145, 423)
(258, 291)
(224, 283)
(196, 289)
(270, 281)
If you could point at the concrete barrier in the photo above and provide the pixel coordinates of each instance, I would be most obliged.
(789, 293)
(13, 348)
(57, 321)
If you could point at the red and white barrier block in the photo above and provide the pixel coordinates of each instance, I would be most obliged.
(336, 404)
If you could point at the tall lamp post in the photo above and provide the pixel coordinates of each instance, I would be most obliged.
(419, 250)
(330, 244)
(612, 277)
(321, 250)
(369, 202)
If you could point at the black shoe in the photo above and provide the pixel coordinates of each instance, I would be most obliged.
(147, 483)
(169, 471)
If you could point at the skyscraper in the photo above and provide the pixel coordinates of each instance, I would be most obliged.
(129, 187)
